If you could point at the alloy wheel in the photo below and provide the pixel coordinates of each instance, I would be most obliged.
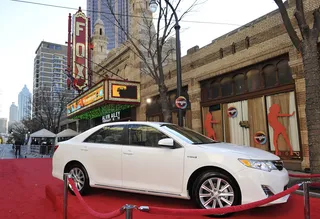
(216, 192)
(78, 177)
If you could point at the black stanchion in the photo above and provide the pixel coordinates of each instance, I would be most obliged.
(129, 210)
(65, 195)
(306, 200)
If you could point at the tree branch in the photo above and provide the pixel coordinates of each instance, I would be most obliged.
(288, 25)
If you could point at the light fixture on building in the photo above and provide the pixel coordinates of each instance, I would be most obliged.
(153, 6)
(149, 100)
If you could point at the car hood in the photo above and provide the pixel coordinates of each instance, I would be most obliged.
(242, 151)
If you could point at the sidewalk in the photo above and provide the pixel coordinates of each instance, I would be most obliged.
(314, 191)
(25, 154)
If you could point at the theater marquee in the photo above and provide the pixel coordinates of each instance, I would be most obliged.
(80, 51)
(107, 97)
(87, 99)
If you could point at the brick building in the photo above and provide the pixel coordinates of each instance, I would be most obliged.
(242, 80)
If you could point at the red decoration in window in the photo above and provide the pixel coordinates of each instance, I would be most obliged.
(277, 127)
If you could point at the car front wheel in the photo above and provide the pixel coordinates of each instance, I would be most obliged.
(80, 178)
(215, 190)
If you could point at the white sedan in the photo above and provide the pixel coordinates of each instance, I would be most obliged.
(166, 160)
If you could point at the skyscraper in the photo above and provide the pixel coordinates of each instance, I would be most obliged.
(24, 104)
(115, 35)
(13, 114)
(49, 77)
(3, 125)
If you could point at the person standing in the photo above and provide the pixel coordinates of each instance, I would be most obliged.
(18, 144)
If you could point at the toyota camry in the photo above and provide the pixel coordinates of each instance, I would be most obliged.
(164, 159)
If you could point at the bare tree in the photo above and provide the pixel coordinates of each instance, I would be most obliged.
(153, 43)
(308, 47)
(49, 107)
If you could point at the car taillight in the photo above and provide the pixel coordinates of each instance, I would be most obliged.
(55, 148)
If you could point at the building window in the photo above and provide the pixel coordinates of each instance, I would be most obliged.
(239, 84)
(100, 31)
(226, 86)
(270, 76)
(214, 89)
(253, 80)
(284, 72)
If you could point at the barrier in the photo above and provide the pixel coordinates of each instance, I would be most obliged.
(187, 212)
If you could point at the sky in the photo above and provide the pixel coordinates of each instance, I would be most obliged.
(23, 26)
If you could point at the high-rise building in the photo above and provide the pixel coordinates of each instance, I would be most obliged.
(13, 114)
(114, 34)
(49, 77)
(24, 104)
(3, 125)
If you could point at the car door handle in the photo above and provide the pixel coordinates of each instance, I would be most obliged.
(128, 153)
(84, 149)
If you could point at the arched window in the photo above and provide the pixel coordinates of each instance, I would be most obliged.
(270, 76)
(239, 84)
(100, 31)
(284, 72)
(253, 80)
(226, 86)
(214, 89)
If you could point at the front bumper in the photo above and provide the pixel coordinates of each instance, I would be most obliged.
(256, 185)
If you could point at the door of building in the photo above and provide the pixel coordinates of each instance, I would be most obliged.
(236, 127)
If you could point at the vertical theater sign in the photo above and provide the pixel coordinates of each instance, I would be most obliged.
(79, 70)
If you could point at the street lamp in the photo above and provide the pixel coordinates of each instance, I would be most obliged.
(153, 5)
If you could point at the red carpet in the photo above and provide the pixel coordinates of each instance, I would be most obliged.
(26, 182)
(22, 183)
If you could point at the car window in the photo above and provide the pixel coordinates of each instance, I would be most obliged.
(108, 135)
(144, 135)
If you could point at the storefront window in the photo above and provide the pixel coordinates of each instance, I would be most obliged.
(253, 80)
(270, 76)
(214, 89)
(284, 71)
(226, 86)
(239, 82)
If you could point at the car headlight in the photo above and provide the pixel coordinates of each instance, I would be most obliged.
(259, 164)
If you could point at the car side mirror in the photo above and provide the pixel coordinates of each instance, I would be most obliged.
(166, 142)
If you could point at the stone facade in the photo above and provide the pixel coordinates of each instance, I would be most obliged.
(259, 40)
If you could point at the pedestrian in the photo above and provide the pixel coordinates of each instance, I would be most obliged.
(18, 144)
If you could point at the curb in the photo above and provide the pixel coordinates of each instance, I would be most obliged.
(311, 194)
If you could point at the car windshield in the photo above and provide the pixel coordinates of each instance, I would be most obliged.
(188, 135)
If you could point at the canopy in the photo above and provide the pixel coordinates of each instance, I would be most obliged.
(43, 133)
(67, 133)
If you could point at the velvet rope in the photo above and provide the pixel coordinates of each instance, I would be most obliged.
(314, 184)
(196, 212)
(109, 215)
(305, 175)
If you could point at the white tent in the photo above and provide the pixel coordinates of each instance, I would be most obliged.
(67, 133)
(43, 133)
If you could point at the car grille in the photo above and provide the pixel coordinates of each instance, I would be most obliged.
(278, 164)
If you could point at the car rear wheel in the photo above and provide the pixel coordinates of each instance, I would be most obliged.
(80, 178)
(215, 190)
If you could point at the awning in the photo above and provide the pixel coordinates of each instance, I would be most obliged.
(43, 133)
(67, 133)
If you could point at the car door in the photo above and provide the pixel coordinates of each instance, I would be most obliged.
(103, 151)
(149, 167)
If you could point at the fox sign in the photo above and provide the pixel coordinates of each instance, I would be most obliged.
(80, 51)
